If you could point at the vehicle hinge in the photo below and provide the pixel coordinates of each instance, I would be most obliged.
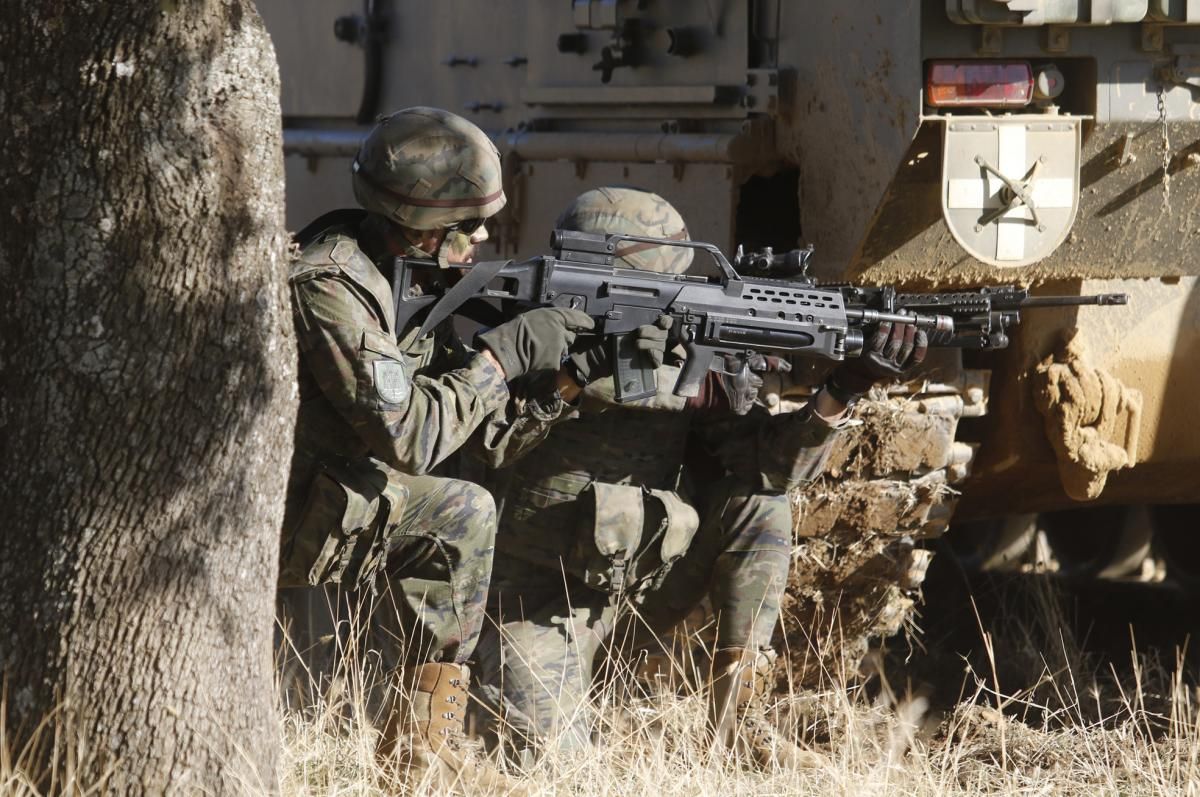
(761, 95)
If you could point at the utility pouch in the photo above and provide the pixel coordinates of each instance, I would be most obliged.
(628, 537)
(347, 527)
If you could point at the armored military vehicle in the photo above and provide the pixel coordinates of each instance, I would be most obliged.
(929, 143)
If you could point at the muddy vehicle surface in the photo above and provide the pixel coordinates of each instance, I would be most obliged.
(927, 143)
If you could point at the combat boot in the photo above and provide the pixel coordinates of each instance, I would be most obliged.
(423, 733)
(738, 676)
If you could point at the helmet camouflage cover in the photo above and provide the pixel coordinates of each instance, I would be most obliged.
(426, 169)
(637, 212)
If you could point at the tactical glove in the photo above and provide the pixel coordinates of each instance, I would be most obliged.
(595, 361)
(534, 341)
(892, 353)
(736, 389)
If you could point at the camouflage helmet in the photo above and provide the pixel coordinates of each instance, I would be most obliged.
(637, 212)
(426, 169)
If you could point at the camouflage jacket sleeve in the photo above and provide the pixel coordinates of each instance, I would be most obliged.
(410, 422)
(514, 430)
(779, 451)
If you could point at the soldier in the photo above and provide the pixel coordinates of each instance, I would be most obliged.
(381, 407)
(602, 523)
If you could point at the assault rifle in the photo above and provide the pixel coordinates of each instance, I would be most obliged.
(715, 317)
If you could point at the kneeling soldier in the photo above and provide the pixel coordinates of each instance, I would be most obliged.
(381, 406)
(605, 518)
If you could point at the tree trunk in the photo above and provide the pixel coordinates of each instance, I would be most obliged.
(146, 392)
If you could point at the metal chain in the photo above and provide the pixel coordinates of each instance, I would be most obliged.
(1166, 150)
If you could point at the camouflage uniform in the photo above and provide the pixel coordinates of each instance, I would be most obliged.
(381, 408)
(378, 413)
(601, 519)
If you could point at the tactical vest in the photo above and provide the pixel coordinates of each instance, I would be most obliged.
(599, 498)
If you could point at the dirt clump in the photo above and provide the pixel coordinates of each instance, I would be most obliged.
(858, 561)
(1091, 418)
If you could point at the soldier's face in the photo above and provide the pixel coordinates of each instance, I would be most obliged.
(457, 246)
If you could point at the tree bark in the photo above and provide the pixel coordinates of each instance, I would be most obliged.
(147, 373)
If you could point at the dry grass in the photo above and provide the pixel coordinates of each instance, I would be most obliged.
(1068, 730)
(1074, 726)
(872, 747)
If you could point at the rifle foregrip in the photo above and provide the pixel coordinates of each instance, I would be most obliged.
(633, 374)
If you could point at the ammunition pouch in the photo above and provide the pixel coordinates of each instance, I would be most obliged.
(347, 527)
(628, 537)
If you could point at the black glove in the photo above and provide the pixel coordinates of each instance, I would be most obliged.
(892, 353)
(595, 361)
(534, 341)
(736, 389)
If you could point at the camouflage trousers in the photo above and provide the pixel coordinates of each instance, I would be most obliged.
(437, 573)
(538, 653)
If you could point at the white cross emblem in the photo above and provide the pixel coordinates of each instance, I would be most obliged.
(1024, 201)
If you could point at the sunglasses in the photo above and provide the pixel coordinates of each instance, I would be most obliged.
(466, 226)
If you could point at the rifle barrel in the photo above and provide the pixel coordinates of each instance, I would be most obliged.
(1076, 301)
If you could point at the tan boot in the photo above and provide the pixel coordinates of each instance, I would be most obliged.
(738, 676)
(423, 731)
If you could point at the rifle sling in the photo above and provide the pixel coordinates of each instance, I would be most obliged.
(467, 287)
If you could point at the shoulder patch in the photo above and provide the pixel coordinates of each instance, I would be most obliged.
(391, 382)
